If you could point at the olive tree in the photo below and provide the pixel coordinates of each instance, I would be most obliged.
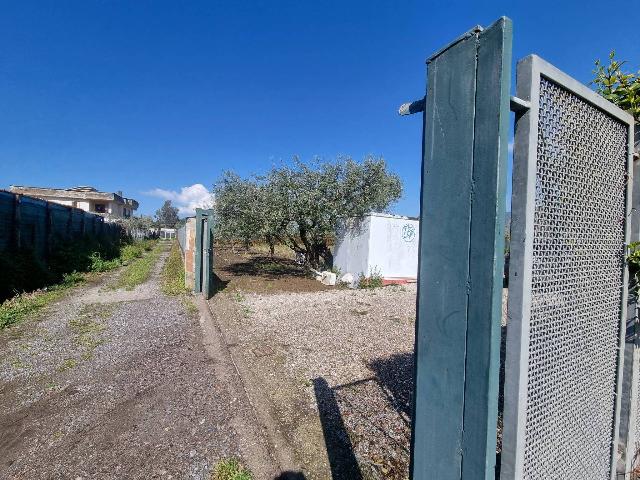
(300, 205)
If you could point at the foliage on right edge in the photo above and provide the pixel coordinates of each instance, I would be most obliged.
(620, 88)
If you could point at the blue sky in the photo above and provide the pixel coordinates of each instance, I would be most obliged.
(146, 95)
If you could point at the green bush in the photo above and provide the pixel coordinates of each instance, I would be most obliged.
(99, 264)
(131, 251)
(23, 271)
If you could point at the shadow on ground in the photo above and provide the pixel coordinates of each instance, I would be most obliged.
(290, 476)
(395, 376)
(266, 266)
(342, 459)
(218, 284)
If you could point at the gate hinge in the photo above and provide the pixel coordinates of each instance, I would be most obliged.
(412, 107)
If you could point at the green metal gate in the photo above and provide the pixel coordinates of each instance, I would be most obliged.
(204, 252)
(571, 205)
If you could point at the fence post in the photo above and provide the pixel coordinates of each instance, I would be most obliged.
(461, 257)
(48, 226)
(17, 203)
(70, 223)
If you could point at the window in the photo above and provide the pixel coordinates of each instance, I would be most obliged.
(100, 207)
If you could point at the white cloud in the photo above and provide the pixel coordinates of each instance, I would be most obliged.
(187, 199)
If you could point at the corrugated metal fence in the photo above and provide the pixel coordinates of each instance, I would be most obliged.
(34, 224)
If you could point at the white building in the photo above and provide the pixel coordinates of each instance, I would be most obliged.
(110, 205)
(379, 244)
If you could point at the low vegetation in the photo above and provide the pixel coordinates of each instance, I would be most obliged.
(88, 326)
(18, 307)
(173, 273)
(372, 281)
(230, 469)
(139, 269)
(172, 282)
(91, 257)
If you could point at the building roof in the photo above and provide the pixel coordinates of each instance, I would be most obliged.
(83, 192)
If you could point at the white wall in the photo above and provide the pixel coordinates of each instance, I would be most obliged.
(387, 244)
(84, 205)
(352, 248)
(393, 246)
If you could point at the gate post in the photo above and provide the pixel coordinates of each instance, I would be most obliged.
(204, 252)
(466, 125)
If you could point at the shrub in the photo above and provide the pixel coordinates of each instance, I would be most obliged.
(131, 251)
(99, 264)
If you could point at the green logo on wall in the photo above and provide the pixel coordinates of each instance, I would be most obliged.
(408, 232)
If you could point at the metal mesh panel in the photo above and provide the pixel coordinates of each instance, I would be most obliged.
(577, 288)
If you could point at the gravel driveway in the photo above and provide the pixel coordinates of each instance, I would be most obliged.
(115, 384)
(333, 370)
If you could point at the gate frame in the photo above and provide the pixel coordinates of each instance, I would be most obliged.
(459, 303)
(529, 71)
(203, 283)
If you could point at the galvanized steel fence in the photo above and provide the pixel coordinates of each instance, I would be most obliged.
(568, 279)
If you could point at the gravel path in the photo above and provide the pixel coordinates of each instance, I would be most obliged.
(336, 368)
(115, 384)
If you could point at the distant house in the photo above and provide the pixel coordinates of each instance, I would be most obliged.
(109, 205)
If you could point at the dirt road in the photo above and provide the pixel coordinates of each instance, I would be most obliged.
(115, 384)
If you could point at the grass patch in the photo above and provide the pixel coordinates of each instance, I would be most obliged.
(173, 273)
(20, 306)
(230, 469)
(189, 306)
(139, 270)
(87, 328)
(24, 304)
(172, 279)
(67, 364)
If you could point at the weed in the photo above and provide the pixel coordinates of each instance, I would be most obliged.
(139, 270)
(18, 364)
(99, 264)
(67, 261)
(191, 307)
(230, 469)
(67, 364)
(51, 386)
(173, 273)
(20, 306)
(238, 297)
(131, 252)
(87, 332)
(372, 281)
